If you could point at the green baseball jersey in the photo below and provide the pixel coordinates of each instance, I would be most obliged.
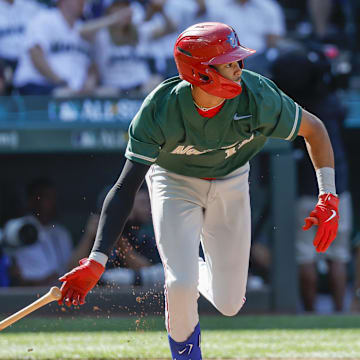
(168, 130)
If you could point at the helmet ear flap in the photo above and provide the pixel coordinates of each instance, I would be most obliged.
(196, 74)
(220, 86)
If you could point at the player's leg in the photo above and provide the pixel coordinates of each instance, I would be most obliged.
(226, 242)
(177, 210)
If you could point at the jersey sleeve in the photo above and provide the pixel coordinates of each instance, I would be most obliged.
(145, 135)
(278, 115)
(36, 34)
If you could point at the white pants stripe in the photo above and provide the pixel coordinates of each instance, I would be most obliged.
(186, 211)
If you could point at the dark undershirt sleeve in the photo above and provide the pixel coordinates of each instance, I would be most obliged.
(118, 205)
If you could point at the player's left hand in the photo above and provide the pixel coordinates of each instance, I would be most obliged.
(326, 217)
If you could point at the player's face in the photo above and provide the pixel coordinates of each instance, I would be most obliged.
(231, 71)
(76, 7)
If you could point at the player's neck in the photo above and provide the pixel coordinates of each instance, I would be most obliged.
(204, 100)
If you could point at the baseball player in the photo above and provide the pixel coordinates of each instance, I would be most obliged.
(193, 138)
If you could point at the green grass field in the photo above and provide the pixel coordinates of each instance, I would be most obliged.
(240, 337)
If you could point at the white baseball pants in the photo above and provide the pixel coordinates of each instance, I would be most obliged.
(188, 210)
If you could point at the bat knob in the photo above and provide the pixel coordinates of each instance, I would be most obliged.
(55, 293)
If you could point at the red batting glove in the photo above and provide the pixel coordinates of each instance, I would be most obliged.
(79, 281)
(326, 216)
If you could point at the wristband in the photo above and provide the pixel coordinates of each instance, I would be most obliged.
(326, 180)
(99, 257)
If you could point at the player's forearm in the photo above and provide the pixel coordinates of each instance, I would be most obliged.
(319, 147)
(117, 206)
(322, 156)
(317, 140)
(89, 29)
(320, 151)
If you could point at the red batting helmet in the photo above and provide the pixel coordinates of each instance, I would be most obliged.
(205, 44)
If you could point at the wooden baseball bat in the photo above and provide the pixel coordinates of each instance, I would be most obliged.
(53, 294)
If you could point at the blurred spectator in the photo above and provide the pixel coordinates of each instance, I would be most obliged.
(86, 241)
(320, 13)
(15, 15)
(325, 21)
(39, 247)
(139, 232)
(329, 20)
(164, 20)
(122, 68)
(135, 259)
(305, 76)
(55, 54)
(260, 24)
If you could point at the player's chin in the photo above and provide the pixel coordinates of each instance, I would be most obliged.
(238, 80)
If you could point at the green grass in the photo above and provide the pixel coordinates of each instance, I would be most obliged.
(241, 337)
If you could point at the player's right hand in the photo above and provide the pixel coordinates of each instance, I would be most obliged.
(79, 281)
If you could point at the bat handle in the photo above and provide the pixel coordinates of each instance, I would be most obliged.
(53, 294)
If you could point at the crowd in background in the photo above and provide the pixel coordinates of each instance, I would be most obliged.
(125, 48)
(115, 47)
